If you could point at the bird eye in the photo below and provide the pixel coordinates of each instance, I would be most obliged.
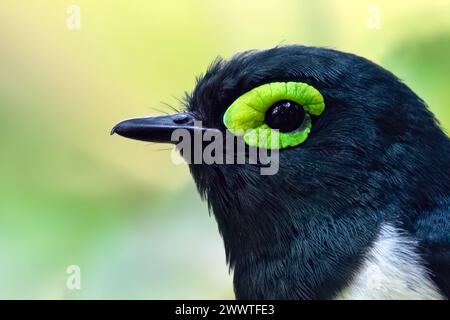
(285, 116)
(275, 115)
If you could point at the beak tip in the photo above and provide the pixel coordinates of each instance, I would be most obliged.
(113, 130)
(118, 128)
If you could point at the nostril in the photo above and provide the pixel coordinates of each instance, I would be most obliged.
(182, 119)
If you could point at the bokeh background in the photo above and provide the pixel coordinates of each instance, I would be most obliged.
(122, 210)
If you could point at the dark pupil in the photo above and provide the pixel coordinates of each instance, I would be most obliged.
(285, 116)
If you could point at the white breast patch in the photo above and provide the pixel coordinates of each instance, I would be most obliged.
(392, 269)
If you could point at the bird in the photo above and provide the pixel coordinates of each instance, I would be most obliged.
(360, 205)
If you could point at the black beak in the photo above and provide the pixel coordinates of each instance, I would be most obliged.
(157, 129)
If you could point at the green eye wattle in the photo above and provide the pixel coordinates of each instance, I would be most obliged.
(275, 115)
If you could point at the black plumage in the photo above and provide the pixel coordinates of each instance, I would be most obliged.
(376, 155)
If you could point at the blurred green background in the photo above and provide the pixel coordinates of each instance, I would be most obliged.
(121, 210)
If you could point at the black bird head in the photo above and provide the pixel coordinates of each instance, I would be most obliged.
(374, 154)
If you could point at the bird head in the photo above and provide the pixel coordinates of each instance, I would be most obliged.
(353, 140)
